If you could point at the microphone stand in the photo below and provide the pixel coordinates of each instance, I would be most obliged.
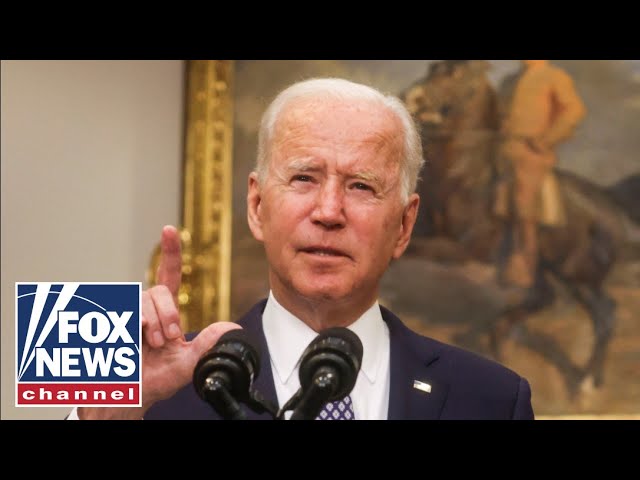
(218, 396)
(259, 404)
(311, 401)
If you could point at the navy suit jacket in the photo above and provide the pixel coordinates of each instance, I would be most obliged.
(463, 385)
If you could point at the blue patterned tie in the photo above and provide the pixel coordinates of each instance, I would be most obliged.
(338, 410)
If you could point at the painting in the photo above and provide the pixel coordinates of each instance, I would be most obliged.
(573, 331)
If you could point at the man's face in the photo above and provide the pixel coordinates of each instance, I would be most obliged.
(330, 212)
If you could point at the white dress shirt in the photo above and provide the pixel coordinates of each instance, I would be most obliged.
(287, 337)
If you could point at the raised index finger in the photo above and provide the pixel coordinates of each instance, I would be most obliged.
(169, 271)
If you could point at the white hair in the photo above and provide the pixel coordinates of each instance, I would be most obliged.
(340, 89)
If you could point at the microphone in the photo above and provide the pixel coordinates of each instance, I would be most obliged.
(328, 371)
(224, 375)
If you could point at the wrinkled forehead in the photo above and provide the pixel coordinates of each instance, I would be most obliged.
(357, 122)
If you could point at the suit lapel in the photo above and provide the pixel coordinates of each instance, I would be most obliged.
(263, 383)
(407, 366)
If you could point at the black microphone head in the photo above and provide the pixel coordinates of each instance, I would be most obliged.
(338, 348)
(235, 358)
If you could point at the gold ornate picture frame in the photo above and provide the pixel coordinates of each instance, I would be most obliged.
(206, 231)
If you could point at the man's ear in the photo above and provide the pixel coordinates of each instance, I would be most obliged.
(254, 204)
(409, 216)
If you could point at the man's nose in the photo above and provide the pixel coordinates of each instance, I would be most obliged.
(328, 210)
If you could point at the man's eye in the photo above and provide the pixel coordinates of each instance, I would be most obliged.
(361, 186)
(302, 178)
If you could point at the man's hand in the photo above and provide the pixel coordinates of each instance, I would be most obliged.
(168, 359)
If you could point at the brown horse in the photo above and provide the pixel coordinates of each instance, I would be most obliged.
(456, 108)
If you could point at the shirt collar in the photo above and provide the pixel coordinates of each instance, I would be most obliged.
(288, 336)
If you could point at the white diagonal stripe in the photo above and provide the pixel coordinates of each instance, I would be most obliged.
(68, 289)
(42, 291)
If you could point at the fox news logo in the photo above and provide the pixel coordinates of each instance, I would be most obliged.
(78, 344)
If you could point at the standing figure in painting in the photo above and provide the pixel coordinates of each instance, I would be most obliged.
(540, 109)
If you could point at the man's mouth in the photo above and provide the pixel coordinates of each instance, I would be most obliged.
(324, 252)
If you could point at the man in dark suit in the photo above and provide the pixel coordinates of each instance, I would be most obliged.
(332, 200)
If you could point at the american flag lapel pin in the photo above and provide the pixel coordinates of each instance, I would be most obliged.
(422, 386)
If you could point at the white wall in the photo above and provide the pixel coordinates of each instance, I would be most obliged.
(91, 154)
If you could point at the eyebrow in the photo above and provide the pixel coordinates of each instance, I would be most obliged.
(367, 177)
(308, 164)
(303, 164)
